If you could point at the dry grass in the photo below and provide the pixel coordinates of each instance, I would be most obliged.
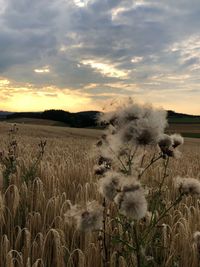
(36, 121)
(33, 230)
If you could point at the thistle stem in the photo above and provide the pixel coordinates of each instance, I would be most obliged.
(153, 160)
(105, 250)
(138, 255)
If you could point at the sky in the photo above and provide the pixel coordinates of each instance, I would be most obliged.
(80, 54)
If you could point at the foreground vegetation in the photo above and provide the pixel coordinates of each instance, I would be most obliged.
(33, 205)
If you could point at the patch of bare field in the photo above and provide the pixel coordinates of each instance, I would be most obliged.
(33, 229)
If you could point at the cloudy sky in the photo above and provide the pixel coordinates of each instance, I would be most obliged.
(79, 54)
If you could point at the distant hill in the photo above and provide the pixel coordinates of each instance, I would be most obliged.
(84, 119)
(172, 113)
(174, 117)
(78, 119)
(4, 114)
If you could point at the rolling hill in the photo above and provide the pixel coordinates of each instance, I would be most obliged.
(88, 119)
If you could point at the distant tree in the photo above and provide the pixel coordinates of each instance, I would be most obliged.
(57, 115)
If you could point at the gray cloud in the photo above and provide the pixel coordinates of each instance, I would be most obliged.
(61, 35)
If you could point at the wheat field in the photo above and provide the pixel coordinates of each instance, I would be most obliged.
(33, 228)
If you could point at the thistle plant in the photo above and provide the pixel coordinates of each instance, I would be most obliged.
(8, 158)
(31, 171)
(133, 216)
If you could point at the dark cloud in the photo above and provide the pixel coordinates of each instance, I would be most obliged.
(28, 33)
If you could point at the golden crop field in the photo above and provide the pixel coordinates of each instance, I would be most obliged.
(33, 226)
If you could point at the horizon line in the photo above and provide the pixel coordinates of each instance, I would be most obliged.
(198, 115)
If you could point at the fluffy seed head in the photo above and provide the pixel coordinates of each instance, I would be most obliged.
(177, 140)
(168, 147)
(110, 184)
(141, 121)
(111, 146)
(165, 142)
(188, 185)
(132, 204)
(87, 218)
(146, 129)
(130, 185)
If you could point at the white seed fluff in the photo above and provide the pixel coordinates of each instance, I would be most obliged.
(132, 204)
(109, 185)
(188, 185)
(177, 140)
(87, 218)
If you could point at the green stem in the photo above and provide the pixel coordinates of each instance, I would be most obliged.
(130, 159)
(177, 200)
(158, 193)
(117, 238)
(149, 165)
(123, 165)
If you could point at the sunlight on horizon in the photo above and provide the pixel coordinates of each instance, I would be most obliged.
(75, 103)
(24, 99)
(25, 103)
(27, 97)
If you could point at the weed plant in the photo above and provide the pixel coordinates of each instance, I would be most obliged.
(133, 200)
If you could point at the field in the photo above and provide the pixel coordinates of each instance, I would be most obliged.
(186, 120)
(36, 121)
(186, 129)
(33, 228)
